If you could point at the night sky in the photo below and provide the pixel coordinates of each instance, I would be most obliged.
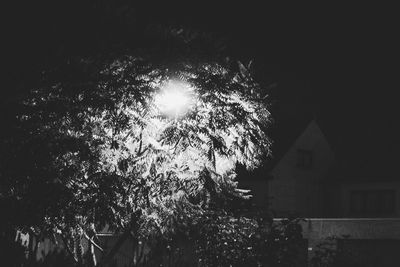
(338, 64)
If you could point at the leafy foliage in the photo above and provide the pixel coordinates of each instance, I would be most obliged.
(88, 147)
(219, 238)
(241, 241)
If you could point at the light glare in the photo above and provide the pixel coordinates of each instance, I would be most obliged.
(174, 99)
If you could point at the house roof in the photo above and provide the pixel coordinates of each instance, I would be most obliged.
(354, 162)
(284, 133)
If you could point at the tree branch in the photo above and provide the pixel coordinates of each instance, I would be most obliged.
(67, 247)
(92, 241)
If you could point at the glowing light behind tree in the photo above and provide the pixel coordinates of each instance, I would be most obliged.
(182, 130)
(143, 140)
(135, 151)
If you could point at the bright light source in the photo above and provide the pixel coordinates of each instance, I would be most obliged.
(175, 98)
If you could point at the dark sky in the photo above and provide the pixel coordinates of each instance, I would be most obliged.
(337, 63)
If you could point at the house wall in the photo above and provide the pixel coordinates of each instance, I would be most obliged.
(298, 190)
(347, 187)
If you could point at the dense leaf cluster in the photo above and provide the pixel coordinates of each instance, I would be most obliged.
(227, 240)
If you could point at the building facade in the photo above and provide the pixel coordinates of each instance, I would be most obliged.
(358, 208)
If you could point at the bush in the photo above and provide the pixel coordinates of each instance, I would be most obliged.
(329, 254)
(226, 240)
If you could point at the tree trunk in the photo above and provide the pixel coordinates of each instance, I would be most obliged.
(31, 246)
(93, 255)
(72, 254)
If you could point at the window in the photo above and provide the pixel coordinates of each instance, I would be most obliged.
(372, 202)
(304, 159)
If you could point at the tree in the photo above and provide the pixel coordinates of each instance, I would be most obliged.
(92, 146)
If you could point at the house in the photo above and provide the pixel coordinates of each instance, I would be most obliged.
(354, 197)
(306, 179)
(293, 182)
(297, 179)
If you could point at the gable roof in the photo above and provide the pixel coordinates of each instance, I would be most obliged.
(284, 136)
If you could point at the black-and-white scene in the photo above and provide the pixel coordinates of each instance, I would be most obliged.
(199, 134)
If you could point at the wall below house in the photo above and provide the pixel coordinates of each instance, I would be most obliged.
(369, 238)
(372, 252)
